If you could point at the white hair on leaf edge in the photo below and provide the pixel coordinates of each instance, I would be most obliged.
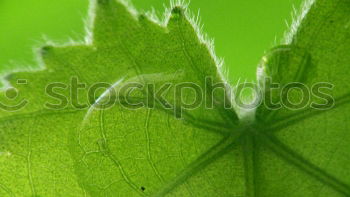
(297, 18)
(196, 23)
(151, 15)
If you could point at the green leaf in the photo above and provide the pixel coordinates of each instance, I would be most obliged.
(83, 148)
(311, 145)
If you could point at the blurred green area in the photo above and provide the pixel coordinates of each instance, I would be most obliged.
(242, 29)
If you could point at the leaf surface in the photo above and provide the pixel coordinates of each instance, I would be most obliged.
(314, 142)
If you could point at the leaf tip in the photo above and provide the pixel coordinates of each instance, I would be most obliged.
(103, 2)
(45, 50)
(177, 12)
(142, 17)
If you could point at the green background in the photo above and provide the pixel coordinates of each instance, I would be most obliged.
(242, 29)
